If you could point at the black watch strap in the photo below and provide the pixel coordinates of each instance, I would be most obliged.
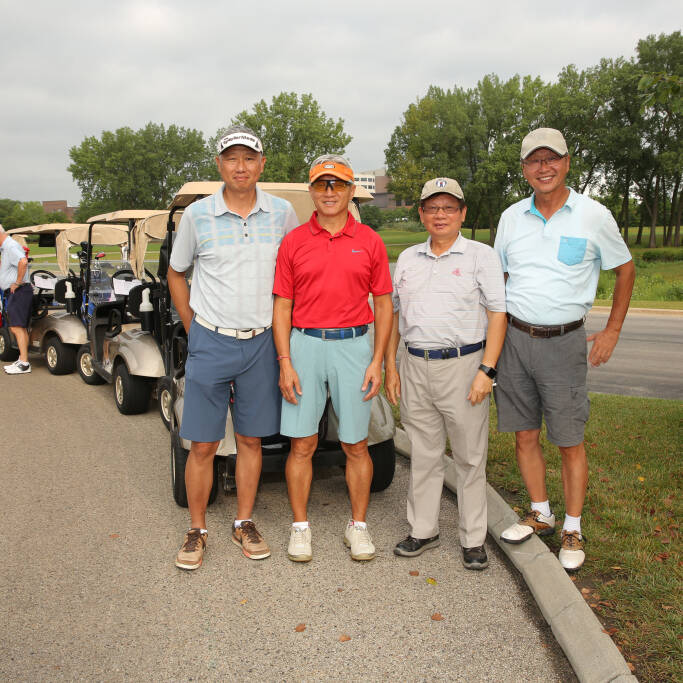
(489, 372)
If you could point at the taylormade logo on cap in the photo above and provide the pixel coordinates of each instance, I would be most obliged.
(245, 139)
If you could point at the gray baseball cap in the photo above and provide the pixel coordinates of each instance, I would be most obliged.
(441, 186)
(544, 137)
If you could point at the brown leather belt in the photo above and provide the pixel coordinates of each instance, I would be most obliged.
(544, 331)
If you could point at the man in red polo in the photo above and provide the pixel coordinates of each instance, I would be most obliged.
(326, 268)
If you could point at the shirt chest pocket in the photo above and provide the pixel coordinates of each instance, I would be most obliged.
(571, 250)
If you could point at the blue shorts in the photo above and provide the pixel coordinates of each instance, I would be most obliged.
(19, 306)
(213, 361)
(335, 364)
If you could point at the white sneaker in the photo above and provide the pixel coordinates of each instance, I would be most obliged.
(533, 523)
(18, 368)
(358, 539)
(571, 554)
(299, 548)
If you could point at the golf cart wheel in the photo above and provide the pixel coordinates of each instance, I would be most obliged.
(59, 357)
(85, 367)
(131, 392)
(165, 399)
(384, 463)
(7, 353)
(178, 461)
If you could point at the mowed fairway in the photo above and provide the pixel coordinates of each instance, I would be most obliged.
(89, 590)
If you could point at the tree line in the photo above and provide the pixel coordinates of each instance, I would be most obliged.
(621, 119)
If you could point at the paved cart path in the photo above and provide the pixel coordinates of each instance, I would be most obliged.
(88, 589)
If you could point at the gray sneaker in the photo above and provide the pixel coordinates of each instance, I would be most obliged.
(18, 368)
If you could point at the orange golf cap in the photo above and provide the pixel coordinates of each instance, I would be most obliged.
(335, 168)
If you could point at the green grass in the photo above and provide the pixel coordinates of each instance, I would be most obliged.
(632, 577)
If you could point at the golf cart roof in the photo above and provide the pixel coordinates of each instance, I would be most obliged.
(123, 216)
(102, 234)
(296, 193)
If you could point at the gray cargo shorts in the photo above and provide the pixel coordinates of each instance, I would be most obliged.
(544, 378)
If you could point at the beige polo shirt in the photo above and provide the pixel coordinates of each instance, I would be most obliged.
(442, 300)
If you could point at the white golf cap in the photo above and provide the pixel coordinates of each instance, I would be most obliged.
(239, 138)
(544, 137)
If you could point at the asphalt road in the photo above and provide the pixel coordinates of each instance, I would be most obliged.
(647, 360)
(89, 591)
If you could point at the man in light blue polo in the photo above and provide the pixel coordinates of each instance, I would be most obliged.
(552, 247)
(232, 238)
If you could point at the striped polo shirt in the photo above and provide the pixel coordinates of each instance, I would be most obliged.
(233, 257)
(442, 300)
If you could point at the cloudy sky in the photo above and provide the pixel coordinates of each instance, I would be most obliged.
(71, 69)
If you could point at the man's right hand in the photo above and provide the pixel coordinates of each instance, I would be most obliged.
(289, 381)
(392, 386)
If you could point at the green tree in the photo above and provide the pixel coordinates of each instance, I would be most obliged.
(25, 213)
(294, 131)
(371, 215)
(142, 169)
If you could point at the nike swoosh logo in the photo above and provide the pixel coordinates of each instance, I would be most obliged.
(356, 251)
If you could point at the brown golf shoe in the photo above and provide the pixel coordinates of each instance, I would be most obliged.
(191, 553)
(250, 540)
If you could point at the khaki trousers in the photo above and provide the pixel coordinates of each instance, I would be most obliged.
(433, 405)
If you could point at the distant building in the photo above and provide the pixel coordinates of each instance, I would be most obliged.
(365, 179)
(383, 198)
(59, 205)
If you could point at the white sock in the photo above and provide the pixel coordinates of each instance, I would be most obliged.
(201, 531)
(572, 523)
(543, 507)
(360, 525)
(238, 522)
(301, 525)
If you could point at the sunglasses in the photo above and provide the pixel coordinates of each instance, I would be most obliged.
(336, 185)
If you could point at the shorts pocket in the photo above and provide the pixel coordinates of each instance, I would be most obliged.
(571, 250)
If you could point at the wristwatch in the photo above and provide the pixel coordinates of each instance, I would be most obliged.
(489, 372)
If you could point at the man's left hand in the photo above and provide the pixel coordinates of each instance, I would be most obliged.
(480, 389)
(373, 376)
(603, 345)
(13, 287)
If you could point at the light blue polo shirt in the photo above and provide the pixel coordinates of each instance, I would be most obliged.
(11, 252)
(553, 266)
(233, 257)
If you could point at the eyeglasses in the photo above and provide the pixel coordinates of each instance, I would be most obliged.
(534, 164)
(448, 210)
(334, 184)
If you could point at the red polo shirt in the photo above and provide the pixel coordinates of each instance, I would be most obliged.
(329, 277)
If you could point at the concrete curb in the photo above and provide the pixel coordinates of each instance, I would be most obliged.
(642, 311)
(590, 651)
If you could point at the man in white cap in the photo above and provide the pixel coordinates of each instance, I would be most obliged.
(232, 238)
(449, 307)
(15, 282)
(552, 247)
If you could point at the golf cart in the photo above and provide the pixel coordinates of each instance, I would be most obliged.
(275, 447)
(117, 350)
(56, 329)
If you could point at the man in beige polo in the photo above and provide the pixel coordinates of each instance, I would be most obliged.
(449, 308)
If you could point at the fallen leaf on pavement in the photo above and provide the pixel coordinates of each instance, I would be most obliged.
(437, 617)
(431, 581)
(300, 627)
(343, 638)
(113, 535)
(630, 666)
(414, 572)
(243, 602)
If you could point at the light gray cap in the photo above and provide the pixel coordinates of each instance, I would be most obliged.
(441, 186)
(544, 137)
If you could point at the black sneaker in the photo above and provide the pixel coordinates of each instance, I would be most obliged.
(475, 558)
(411, 547)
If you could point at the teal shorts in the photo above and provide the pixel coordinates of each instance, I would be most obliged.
(337, 365)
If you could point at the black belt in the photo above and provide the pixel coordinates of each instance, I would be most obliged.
(544, 331)
(335, 332)
(443, 354)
